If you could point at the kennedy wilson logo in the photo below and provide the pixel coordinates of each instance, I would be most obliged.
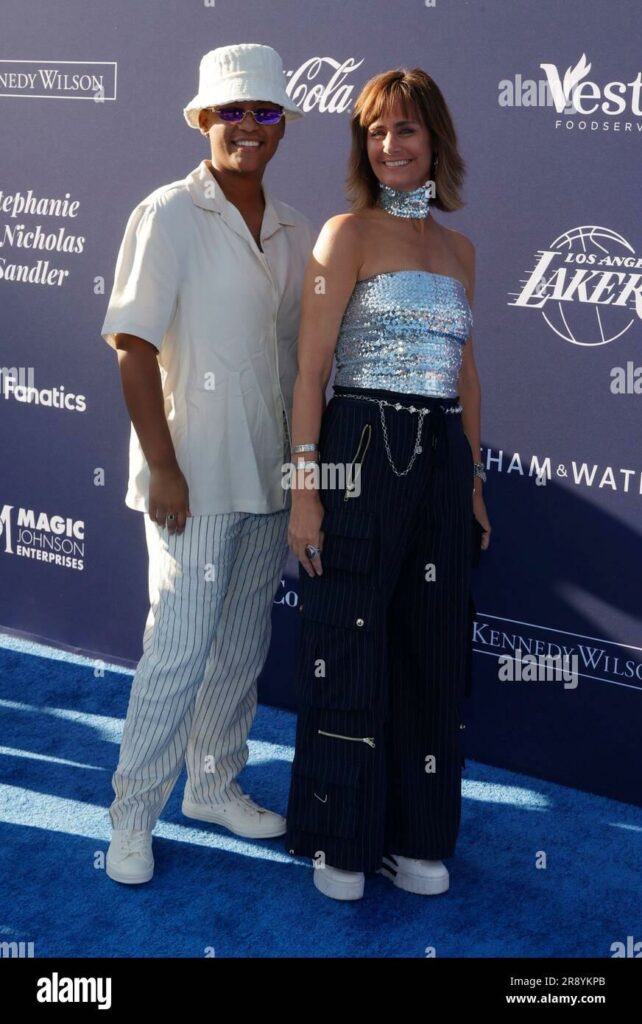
(603, 661)
(586, 285)
(58, 79)
(42, 537)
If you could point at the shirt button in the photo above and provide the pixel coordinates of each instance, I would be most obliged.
(360, 622)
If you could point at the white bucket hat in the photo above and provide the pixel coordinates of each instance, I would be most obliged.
(247, 71)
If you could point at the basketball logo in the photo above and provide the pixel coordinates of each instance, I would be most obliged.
(587, 286)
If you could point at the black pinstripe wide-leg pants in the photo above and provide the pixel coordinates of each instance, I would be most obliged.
(384, 637)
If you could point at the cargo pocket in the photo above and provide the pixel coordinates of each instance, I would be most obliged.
(324, 800)
(341, 637)
(349, 542)
(341, 643)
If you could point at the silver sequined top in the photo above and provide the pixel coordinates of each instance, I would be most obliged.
(404, 330)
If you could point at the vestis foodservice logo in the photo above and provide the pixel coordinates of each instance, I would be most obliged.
(59, 79)
(587, 286)
(42, 537)
(589, 104)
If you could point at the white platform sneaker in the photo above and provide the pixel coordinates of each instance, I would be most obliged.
(241, 815)
(338, 884)
(129, 857)
(424, 877)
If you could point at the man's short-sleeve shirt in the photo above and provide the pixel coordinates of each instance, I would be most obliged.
(224, 318)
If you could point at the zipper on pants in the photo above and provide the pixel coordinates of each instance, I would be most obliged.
(358, 459)
(357, 739)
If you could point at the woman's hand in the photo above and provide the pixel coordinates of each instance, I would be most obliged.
(481, 515)
(305, 528)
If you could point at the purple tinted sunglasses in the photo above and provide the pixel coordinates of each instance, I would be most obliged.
(261, 115)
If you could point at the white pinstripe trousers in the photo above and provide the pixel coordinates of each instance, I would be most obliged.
(206, 638)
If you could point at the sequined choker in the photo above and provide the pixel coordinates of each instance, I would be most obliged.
(406, 204)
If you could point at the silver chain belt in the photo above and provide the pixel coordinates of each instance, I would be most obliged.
(423, 412)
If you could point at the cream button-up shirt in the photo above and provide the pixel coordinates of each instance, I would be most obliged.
(224, 318)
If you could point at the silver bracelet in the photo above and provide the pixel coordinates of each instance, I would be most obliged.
(305, 448)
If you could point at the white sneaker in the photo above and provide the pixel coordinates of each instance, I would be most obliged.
(129, 857)
(424, 877)
(338, 884)
(241, 815)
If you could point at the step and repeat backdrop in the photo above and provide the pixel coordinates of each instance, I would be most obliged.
(547, 103)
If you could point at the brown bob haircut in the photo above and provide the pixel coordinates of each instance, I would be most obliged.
(415, 91)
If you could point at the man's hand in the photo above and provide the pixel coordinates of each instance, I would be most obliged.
(169, 496)
(141, 380)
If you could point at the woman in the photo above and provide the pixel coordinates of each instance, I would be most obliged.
(385, 547)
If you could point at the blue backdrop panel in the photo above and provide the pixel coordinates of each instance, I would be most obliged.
(546, 101)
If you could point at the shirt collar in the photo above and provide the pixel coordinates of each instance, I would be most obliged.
(206, 192)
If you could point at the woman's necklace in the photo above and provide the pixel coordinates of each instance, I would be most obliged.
(399, 203)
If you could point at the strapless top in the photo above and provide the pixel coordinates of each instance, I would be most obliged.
(404, 330)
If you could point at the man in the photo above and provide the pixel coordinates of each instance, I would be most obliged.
(204, 316)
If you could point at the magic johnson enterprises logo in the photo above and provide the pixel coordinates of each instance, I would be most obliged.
(321, 83)
(584, 103)
(42, 537)
(58, 79)
(587, 286)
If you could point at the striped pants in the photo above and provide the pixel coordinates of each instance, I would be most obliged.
(384, 638)
(194, 694)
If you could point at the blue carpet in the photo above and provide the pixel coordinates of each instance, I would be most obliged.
(213, 894)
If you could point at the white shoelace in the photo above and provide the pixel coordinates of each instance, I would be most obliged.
(248, 805)
(136, 842)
